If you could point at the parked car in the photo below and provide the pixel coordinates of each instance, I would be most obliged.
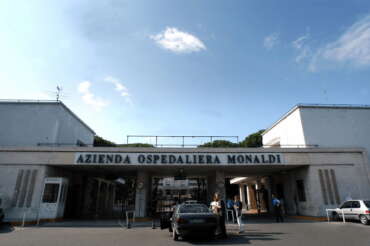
(192, 219)
(354, 210)
(2, 215)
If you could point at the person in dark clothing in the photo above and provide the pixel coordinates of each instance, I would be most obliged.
(218, 206)
(238, 206)
(230, 206)
(276, 204)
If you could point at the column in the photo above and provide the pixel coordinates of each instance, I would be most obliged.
(249, 197)
(211, 187)
(241, 195)
(220, 184)
(142, 189)
(269, 186)
(252, 196)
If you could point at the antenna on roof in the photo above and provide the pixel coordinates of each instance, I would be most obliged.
(58, 92)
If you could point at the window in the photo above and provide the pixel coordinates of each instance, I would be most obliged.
(346, 205)
(50, 193)
(356, 204)
(300, 191)
(367, 204)
(198, 208)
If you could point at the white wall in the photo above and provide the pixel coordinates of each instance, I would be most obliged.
(8, 179)
(337, 127)
(28, 124)
(288, 132)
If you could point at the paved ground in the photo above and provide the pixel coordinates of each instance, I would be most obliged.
(258, 232)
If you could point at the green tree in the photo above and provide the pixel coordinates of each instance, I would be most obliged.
(253, 140)
(136, 145)
(101, 142)
(219, 144)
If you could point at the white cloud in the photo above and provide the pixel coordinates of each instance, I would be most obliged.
(301, 41)
(119, 88)
(178, 41)
(303, 54)
(270, 41)
(303, 49)
(352, 47)
(89, 98)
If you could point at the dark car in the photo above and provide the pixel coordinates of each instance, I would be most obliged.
(2, 215)
(192, 219)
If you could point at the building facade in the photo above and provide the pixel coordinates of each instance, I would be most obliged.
(41, 123)
(46, 182)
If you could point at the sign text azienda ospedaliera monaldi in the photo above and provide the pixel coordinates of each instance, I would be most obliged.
(178, 158)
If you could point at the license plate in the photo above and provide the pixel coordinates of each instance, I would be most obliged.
(197, 221)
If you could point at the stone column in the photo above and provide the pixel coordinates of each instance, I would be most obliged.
(220, 184)
(252, 195)
(269, 186)
(242, 197)
(142, 189)
(249, 196)
(211, 187)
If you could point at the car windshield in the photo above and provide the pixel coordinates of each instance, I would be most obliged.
(193, 208)
(367, 203)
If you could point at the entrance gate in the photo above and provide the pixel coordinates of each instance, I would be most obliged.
(170, 191)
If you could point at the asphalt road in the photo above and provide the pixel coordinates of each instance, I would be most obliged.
(265, 233)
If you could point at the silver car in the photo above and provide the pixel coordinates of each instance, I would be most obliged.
(354, 210)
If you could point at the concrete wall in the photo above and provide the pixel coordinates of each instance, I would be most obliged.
(14, 211)
(350, 178)
(287, 133)
(337, 127)
(28, 124)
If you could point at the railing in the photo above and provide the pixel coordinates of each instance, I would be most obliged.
(181, 140)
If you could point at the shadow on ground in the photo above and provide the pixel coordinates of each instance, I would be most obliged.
(269, 219)
(95, 224)
(6, 228)
(244, 238)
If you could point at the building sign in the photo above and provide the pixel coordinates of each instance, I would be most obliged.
(178, 158)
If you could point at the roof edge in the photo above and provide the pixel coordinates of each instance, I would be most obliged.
(313, 105)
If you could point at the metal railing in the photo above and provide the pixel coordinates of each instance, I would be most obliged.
(181, 139)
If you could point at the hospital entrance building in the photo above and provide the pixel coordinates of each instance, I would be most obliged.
(314, 157)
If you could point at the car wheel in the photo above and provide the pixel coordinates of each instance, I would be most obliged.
(364, 220)
(211, 235)
(175, 236)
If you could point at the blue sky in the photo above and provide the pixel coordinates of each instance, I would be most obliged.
(191, 67)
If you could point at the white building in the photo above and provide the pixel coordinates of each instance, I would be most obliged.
(41, 123)
(38, 181)
(316, 127)
(343, 126)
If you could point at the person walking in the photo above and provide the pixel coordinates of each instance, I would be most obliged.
(238, 206)
(218, 207)
(276, 204)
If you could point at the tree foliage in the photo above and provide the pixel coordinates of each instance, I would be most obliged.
(101, 142)
(219, 144)
(136, 145)
(253, 140)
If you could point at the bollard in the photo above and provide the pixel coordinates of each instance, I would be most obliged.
(24, 218)
(128, 224)
(153, 224)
